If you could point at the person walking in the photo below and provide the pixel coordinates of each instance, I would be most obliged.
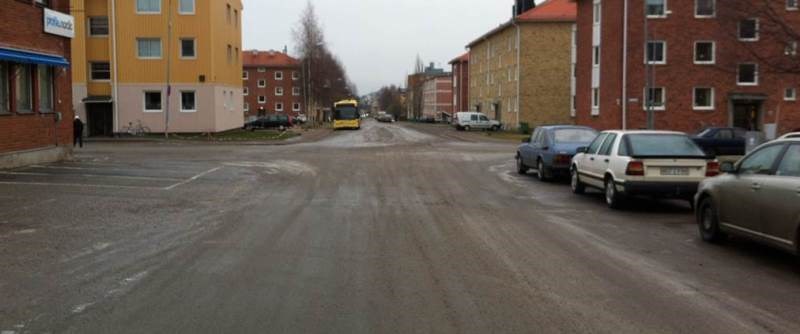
(77, 129)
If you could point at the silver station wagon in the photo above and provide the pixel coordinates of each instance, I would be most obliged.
(758, 198)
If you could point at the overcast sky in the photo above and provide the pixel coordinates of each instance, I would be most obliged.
(378, 40)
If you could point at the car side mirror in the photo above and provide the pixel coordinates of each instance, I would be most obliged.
(727, 167)
(582, 149)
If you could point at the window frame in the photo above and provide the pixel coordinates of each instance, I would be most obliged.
(279, 104)
(713, 53)
(786, 96)
(663, 105)
(296, 91)
(279, 91)
(91, 71)
(711, 99)
(30, 87)
(296, 107)
(52, 87)
(144, 101)
(160, 48)
(5, 87)
(138, 12)
(194, 93)
(295, 75)
(665, 10)
(89, 32)
(245, 75)
(262, 99)
(756, 30)
(663, 53)
(739, 71)
(794, 7)
(194, 48)
(262, 83)
(777, 159)
(278, 75)
(245, 91)
(697, 7)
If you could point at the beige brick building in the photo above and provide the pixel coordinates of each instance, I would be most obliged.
(522, 71)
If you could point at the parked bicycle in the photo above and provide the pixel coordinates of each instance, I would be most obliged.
(137, 130)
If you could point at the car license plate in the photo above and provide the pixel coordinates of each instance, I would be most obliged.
(674, 171)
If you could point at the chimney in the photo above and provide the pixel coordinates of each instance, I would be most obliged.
(286, 49)
(522, 6)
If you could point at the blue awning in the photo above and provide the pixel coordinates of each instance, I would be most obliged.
(32, 57)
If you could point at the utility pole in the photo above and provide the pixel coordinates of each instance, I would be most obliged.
(169, 64)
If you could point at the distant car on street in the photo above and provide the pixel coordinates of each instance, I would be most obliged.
(550, 149)
(275, 121)
(466, 121)
(722, 141)
(385, 118)
(661, 164)
(757, 198)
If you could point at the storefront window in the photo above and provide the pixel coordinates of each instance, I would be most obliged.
(4, 107)
(23, 88)
(45, 88)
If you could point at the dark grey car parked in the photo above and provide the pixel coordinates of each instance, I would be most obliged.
(758, 198)
(550, 149)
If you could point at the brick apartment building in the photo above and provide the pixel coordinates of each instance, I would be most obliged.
(35, 91)
(272, 84)
(414, 92)
(460, 72)
(521, 71)
(437, 97)
(708, 63)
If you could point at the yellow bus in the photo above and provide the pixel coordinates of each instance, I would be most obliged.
(346, 115)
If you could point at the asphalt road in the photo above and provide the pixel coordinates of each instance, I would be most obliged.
(391, 229)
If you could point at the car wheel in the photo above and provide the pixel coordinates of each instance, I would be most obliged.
(613, 198)
(575, 182)
(495, 128)
(708, 222)
(541, 173)
(521, 168)
(467, 128)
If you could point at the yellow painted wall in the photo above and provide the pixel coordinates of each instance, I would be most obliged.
(78, 43)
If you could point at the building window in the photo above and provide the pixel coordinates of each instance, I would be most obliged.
(4, 91)
(654, 98)
(296, 106)
(656, 52)
(23, 88)
(245, 75)
(262, 83)
(790, 94)
(596, 55)
(262, 99)
(595, 98)
(148, 6)
(246, 106)
(230, 54)
(278, 75)
(188, 101)
(791, 4)
(703, 98)
(262, 69)
(236, 57)
(656, 8)
(747, 75)
(704, 52)
(98, 26)
(236, 18)
(99, 71)
(245, 91)
(790, 49)
(45, 83)
(278, 106)
(596, 13)
(188, 48)
(296, 91)
(278, 91)
(152, 101)
(748, 30)
(148, 48)
(228, 13)
(705, 8)
(186, 7)
(295, 75)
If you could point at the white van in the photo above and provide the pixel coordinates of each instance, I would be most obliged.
(465, 121)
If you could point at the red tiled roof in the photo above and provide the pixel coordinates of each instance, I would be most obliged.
(551, 10)
(462, 59)
(268, 59)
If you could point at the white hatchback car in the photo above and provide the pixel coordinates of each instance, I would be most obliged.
(469, 120)
(661, 164)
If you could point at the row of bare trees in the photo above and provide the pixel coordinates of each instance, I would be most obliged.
(390, 99)
(325, 79)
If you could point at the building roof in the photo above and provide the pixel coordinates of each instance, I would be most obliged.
(461, 59)
(253, 58)
(548, 11)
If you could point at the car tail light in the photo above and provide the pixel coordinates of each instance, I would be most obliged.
(712, 169)
(635, 168)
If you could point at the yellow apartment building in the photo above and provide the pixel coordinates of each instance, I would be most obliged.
(124, 54)
(522, 71)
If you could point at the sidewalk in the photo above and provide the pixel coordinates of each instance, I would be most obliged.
(298, 136)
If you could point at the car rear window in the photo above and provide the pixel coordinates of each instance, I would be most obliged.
(659, 145)
(574, 135)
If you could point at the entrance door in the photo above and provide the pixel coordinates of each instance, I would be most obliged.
(747, 115)
(100, 119)
(498, 112)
